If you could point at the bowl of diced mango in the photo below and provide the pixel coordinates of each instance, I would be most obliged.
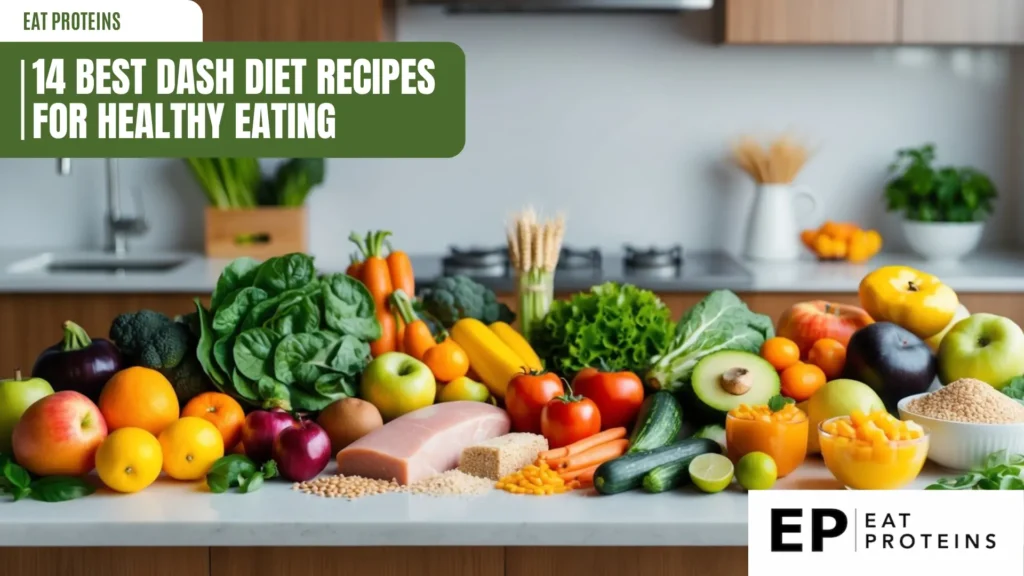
(874, 451)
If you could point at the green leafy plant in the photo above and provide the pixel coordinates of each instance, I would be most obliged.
(277, 335)
(16, 482)
(238, 183)
(779, 402)
(238, 471)
(926, 193)
(1015, 389)
(1001, 471)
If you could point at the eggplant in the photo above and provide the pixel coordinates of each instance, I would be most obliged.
(78, 362)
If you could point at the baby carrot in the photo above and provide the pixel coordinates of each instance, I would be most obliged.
(585, 444)
(400, 268)
(596, 455)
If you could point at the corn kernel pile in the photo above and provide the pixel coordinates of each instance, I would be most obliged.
(762, 413)
(535, 480)
(874, 429)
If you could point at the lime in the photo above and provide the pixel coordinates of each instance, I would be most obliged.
(712, 473)
(756, 471)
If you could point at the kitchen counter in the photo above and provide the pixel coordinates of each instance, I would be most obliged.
(24, 272)
(171, 514)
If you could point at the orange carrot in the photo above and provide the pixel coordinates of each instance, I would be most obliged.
(400, 267)
(386, 342)
(355, 268)
(596, 455)
(417, 338)
(375, 273)
(400, 327)
(585, 444)
(582, 475)
(586, 476)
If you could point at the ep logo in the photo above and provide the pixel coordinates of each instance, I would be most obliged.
(823, 523)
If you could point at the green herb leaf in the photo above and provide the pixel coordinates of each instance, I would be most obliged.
(15, 475)
(252, 484)
(228, 471)
(269, 469)
(218, 483)
(60, 489)
(1001, 471)
(1015, 389)
(777, 403)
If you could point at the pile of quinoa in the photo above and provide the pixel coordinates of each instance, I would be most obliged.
(968, 400)
(451, 483)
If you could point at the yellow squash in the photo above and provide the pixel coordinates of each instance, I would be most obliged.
(909, 298)
(489, 357)
(514, 340)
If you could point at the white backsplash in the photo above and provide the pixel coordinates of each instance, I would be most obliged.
(622, 122)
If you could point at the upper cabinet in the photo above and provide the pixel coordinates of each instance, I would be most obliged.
(883, 22)
(811, 21)
(962, 22)
(297, 20)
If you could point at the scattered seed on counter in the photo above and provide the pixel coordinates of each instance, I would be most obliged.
(452, 483)
(968, 400)
(347, 487)
(536, 481)
(501, 456)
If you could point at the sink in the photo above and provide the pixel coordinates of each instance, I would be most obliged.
(97, 263)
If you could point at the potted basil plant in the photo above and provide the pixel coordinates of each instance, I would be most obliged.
(944, 208)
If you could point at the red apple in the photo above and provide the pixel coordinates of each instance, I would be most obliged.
(302, 451)
(59, 435)
(261, 429)
(807, 322)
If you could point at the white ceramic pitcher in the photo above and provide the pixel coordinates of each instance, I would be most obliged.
(773, 232)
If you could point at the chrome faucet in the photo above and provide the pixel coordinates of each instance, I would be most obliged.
(119, 226)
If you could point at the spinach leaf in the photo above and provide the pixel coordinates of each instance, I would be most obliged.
(261, 313)
(333, 384)
(243, 387)
(349, 308)
(253, 352)
(303, 401)
(204, 349)
(349, 356)
(222, 355)
(239, 274)
(59, 489)
(282, 273)
(273, 393)
(300, 358)
(1015, 389)
(228, 317)
(298, 318)
(229, 471)
(251, 484)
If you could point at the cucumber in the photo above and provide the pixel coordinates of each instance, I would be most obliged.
(657, 424)
(675, 473)
(712, 432)
(627, 472)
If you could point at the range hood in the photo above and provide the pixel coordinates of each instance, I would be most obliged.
(620, 6)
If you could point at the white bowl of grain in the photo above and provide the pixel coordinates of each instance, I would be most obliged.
(967, 420)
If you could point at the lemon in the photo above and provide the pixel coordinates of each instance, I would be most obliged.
(756, 471)
(129, 460)
(191, 446)
(711, 473)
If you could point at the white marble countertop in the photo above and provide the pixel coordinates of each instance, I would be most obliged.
(174, 514)
(23, 271)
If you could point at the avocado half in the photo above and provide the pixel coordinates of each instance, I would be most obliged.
(723, 380)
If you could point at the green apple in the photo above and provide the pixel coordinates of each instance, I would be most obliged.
(985, 347)
(397, 384)
(464, 388)
(934, 341)
(838, 398)
(16, 395)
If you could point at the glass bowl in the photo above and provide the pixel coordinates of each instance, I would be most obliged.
(861, 465)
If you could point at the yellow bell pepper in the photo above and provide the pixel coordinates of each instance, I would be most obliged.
(917, 301)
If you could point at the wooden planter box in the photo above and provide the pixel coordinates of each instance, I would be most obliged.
(258, 233)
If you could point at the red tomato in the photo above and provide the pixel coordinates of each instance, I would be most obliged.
(567, 419)
(618, 395)
(526, 396)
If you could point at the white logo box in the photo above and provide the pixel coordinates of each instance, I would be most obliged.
(932, 532)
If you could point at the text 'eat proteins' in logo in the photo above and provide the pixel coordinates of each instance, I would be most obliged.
(907, 531)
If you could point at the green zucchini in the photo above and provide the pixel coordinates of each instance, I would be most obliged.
(672, 475)
(712, 432)
(627, 472)
(657, 424)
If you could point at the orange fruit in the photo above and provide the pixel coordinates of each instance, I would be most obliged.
(800, 381)
(139, 398)
(190, 447)
(780, 352)
(220, 410)
(129, 460)
(829, 355)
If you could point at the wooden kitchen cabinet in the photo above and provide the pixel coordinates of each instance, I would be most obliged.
(298, 20)
(812, 21)
(962, 22)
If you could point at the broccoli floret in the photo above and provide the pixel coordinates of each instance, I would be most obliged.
(453, 298)
(152, 340)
